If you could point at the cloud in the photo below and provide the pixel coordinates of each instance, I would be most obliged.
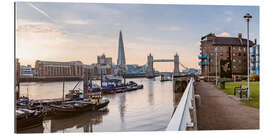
(228, 12)
(26, 27)
(170, 28)
(77, 22)
(224, 34)
(228, 19)
(40, 11)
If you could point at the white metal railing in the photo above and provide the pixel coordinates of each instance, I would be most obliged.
(181, 118)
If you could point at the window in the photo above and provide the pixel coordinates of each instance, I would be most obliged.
(239, 61)
(239, 54)
(244, 49)
(239, 49)
(221, 54)
(233, 54)
(233, 48)
(234, 67)
(233, 60)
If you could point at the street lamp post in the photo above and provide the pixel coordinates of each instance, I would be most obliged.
(216, 68)
(247, 17)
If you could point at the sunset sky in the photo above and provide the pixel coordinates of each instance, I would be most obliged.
(81, 31)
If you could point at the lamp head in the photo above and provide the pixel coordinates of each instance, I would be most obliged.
(247, 16)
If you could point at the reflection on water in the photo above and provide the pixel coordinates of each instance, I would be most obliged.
(148, 109)
(84, 120)
(122, 107)
(150, 94)
(38, 129)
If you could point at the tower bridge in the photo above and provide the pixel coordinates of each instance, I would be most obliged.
(150, 65)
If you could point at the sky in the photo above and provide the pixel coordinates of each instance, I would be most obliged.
(83, 31)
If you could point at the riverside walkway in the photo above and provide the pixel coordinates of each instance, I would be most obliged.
(218, 111)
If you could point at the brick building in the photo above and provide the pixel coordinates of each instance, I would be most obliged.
(232, 49)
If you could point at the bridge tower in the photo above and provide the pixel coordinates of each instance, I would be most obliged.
(150, 68)
(176, 71)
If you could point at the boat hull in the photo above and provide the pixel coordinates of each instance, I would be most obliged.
(102, 105)
(58, 111)
(29, 122)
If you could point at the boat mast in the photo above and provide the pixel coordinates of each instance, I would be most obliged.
(27, 93)
(101, 77)
(124, 76)
(90, 80)
(85, 82)
(63, 89)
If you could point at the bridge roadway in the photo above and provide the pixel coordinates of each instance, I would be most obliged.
(218, 111)
(163, 60)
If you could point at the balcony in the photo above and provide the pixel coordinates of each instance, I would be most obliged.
(204, 57)
(203, 63)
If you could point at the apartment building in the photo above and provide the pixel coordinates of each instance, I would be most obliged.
(215, 50)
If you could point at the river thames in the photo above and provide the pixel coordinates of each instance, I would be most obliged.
(147, 109)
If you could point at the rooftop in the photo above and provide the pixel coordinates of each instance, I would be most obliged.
(238, 41)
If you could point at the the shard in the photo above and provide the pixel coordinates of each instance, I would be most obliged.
(121, 61)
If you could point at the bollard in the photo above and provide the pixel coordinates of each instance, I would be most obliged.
(197, 100)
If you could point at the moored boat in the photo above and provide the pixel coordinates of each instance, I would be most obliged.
(26, 118)
(71, 107)
(165, 78)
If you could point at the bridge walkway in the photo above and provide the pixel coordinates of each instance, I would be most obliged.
(218, 111)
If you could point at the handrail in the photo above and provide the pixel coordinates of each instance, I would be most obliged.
(181, 118)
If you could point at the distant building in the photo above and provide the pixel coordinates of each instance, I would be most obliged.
(58, 69)
(92, 69)
(26, 72)
(134, 69)
(103, 60)
(231, 55)
(255, 59)
(18, 67)
(105, 64)
(17, 88)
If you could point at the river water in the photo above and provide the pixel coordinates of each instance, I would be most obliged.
(147, 109)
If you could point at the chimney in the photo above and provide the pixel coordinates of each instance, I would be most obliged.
(255, 41)
(240, 35)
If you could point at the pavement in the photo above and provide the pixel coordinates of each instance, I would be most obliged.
(219, 111)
